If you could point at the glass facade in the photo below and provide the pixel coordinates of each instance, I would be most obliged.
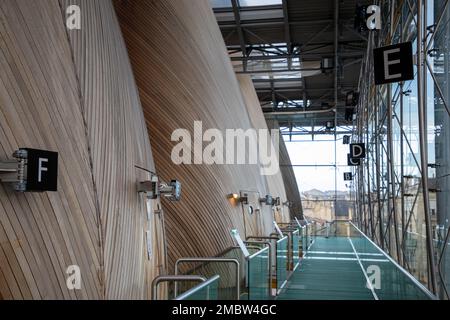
(390, 181)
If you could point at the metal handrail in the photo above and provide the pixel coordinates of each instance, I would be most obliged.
(172, 278)
(230, 249)
(254, 247)
(279, 240)
(262, 238)
(216, 260)
(194, 290)
(410, 276)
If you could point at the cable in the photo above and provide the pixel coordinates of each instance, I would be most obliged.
(146, 170)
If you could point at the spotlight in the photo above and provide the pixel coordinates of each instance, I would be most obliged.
(329, 125)
(287, 204)
(154, 189)
(277, 201)
(268, 200)
(351, 99)
(236, 197)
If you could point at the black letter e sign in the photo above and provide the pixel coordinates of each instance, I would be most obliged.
(393, 63)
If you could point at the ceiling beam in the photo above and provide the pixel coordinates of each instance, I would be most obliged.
(237, 18)
(287, 27)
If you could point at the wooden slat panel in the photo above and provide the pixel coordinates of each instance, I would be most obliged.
(275, 182)
(74, 92)
(289, 178)
(184, 74)
(39, 107)
(119, 142)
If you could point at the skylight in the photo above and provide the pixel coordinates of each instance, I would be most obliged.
(244, 3)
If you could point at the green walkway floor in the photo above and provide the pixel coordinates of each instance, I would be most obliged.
(340, 268)
(330, 270)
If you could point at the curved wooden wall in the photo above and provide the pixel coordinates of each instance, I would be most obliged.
(42, 234)
(119, 141)
(73, 92)
(289, 178)
(275, 182)
(184, 74)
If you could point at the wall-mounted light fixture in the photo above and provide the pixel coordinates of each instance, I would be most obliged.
(155, 188)
(234, 196)
(243, 198)
(277, 201)
(287, 204)
(13, 171)
(330, 125)
(267, 200)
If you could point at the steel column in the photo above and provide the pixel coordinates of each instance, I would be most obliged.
(336, 78)
(421, 27)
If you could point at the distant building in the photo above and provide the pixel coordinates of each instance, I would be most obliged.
(320, 205)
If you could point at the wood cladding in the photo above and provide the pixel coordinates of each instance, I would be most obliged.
(42, 234)
(289, 178)
(119, 141)
(275, 182)
(184, 74)
(74, 93)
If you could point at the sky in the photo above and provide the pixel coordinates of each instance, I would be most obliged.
(314, 161)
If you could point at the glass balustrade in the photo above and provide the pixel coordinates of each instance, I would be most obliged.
(333, 261)
(282, 262)
(388, 280)
(258, 275)
(342, 263)
(296, 251)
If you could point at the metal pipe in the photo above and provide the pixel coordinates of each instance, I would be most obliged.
(300, 112)
(277, 71)
(240, 30)
(215, 260)
(402, 165)
(436, 26)
(198, 288)
(390, 147)
(336, 79)
(369, 195)
(423, 143)
(402, 174)
(378, 171)
(172, 278)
